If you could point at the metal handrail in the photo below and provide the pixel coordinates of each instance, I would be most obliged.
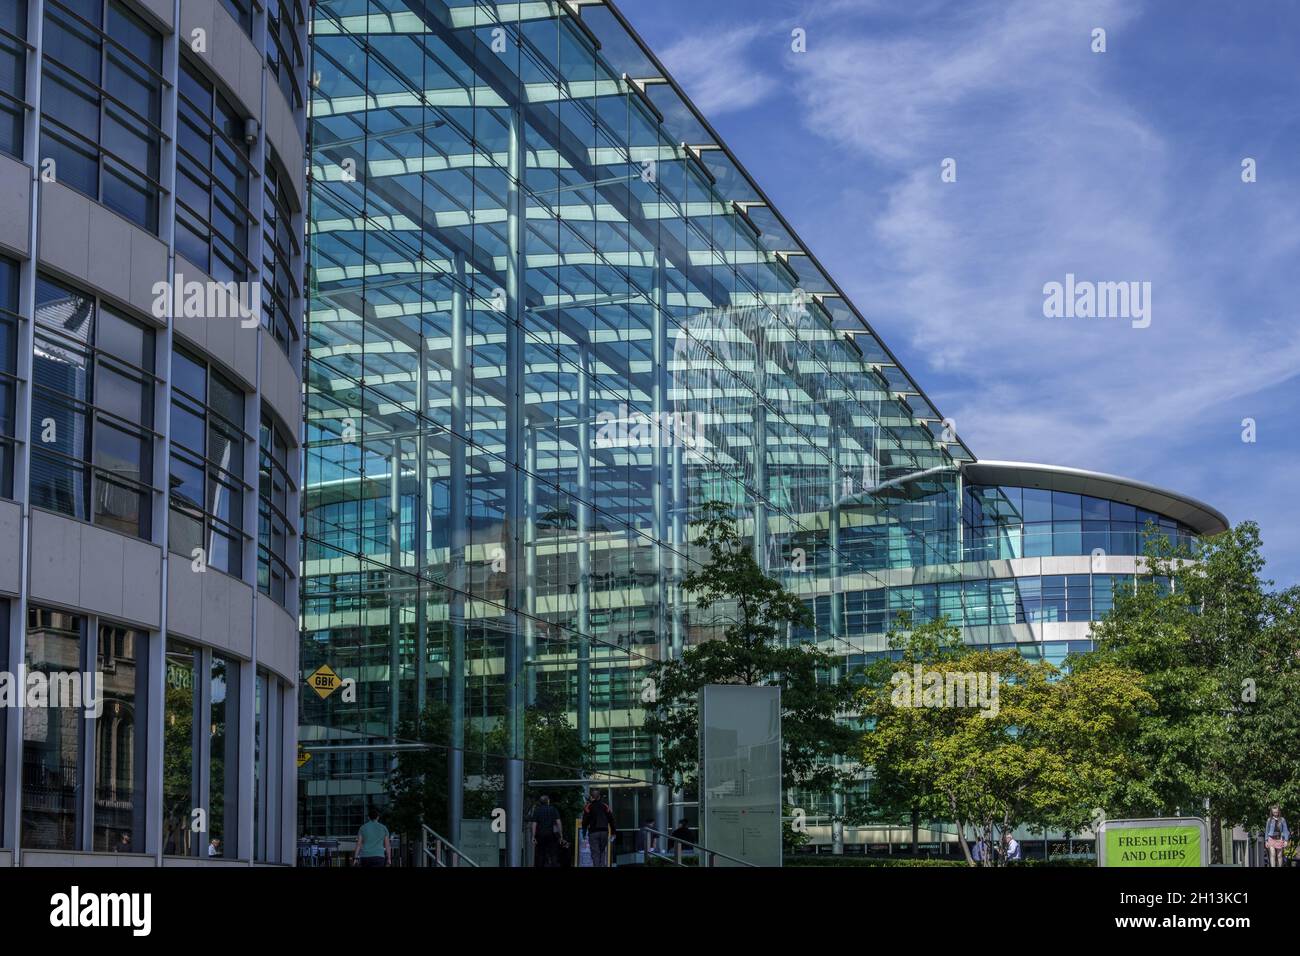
(708, 856)
(435, 855)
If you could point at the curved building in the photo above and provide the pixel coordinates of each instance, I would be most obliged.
(151, 222)
(1040, 553)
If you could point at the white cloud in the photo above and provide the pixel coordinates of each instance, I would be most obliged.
(718, 70)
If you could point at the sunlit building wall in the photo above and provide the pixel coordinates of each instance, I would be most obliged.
(151, 303)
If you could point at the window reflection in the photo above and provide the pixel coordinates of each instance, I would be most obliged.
(52, 791)
(180, 776)
(119, 762)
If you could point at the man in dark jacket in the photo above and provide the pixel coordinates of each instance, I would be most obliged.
(598, 821)
(546, 833)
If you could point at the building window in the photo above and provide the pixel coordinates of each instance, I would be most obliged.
(5, 838)
(207, 466)
(284, 23)
(242, 12)
(213, 173)
(280, 249)
(223, 756)
(259, 762)
(180, 750)
(13, 75)
(120, 732)
(92, 411)
(8, 371)
(52, 787)
(101, 105)
(274, 491)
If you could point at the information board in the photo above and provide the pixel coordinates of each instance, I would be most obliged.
(740, 773)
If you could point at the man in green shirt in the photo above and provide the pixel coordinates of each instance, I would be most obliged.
(374, 848)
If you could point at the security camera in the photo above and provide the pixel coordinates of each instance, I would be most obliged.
(250, 131)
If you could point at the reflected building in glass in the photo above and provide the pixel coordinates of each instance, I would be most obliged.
(550, 318)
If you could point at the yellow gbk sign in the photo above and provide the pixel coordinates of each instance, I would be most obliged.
(324, 681)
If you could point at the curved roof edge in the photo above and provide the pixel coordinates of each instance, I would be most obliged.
(1197, 515)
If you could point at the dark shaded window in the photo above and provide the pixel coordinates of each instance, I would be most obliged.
(120, 734)
(101, 104)
(277, 465)
(8, 372)
(242, 12)
(281, 247)
(284, 21)
(213, 174)
(13, 75)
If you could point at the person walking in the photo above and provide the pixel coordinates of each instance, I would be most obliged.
(683, 832)
(1276, 835)
(547, 832)
(374, 844)
(598, 821)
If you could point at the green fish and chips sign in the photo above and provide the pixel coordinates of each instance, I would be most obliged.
(1163, 842)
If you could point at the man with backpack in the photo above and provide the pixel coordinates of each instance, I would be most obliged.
(598, 821)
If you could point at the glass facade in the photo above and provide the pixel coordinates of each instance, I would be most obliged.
(550, 319)
(1009, 522)
(542, 334)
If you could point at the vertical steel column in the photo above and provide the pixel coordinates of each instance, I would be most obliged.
(458, 517)
(665, 438)
(759, 449)
(530, 562)
(420, 509)
(11, 826)
(837, 609)
(514, 397)
(584, 543)
(395, 588)
(679, 534)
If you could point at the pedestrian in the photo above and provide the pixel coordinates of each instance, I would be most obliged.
(1276, 835)
(1012, 852)
(683, 835)
(980, 851)
(598, 821)
(374, 843)
(547, 833)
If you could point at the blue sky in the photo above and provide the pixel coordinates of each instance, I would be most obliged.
(1115, 166)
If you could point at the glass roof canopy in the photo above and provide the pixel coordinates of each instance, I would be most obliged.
(448, 107)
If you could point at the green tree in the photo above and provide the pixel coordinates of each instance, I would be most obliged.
(903, 788)
(1043, 755)
(760, 620)
(552, 750)
(417, 786)
(1219, 655)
